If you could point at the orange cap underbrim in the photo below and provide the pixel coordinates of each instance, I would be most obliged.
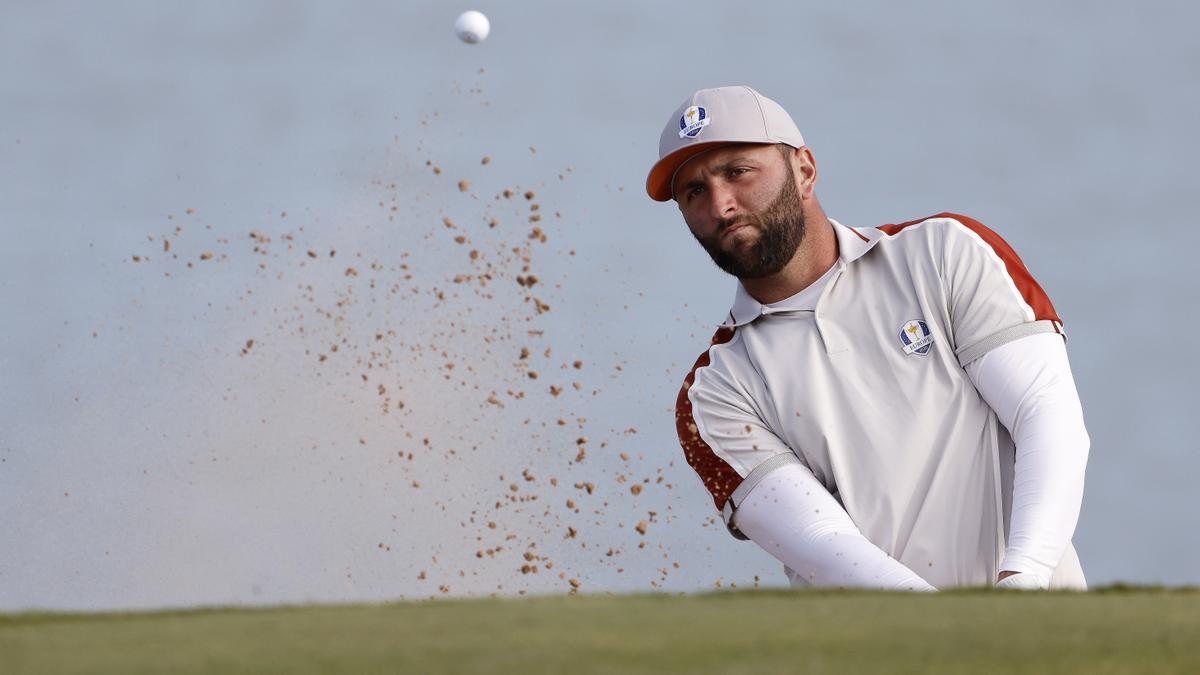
(658, 183)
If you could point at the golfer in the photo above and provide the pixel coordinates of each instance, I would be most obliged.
(886, 407)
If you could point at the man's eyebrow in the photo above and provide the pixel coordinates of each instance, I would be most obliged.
(720, 168)
(739, 159)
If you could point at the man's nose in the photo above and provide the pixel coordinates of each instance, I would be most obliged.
(722, 201)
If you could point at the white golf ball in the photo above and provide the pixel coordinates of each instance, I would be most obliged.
(472, 27)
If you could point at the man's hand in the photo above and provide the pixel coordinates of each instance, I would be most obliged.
(1019, 581)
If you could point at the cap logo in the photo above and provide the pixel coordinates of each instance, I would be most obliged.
(693, 121)
(915, 338)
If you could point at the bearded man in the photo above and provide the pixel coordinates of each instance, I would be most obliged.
(888, 407)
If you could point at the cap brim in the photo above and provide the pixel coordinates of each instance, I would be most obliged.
(658, 183)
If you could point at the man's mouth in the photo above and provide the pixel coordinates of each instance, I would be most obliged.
(734, 228)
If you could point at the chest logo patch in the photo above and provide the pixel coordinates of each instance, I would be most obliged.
(915, 337)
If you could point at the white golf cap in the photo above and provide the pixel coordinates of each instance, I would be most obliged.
(711, 118)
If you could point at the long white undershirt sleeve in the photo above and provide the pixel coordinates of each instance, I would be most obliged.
(1028, 383)
(793, 517)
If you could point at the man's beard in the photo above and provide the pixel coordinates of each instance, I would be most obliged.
(781, 230)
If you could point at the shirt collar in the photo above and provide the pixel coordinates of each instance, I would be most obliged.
(853, 243)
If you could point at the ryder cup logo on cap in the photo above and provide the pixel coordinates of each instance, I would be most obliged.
(916, 338)
(692, 121)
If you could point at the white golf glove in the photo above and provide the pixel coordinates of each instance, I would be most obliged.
(1021, 582)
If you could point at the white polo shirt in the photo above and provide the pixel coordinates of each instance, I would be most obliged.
(864, 385)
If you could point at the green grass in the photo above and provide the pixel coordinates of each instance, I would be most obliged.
(1127, 630)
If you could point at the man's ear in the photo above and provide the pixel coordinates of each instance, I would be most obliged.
(805, 168)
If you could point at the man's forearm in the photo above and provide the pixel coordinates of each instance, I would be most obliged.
(795, 519)
(1028, 383)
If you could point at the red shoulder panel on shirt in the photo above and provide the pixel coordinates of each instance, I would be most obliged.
(718, 476)
(1024, 281)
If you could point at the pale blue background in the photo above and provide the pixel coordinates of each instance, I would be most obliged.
(152, 465)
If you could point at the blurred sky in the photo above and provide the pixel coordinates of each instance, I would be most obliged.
(146, 461)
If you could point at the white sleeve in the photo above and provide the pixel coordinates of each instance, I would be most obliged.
(791, 515)
(1028, 384)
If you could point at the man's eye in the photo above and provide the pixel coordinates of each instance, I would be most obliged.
(695, 192)
(738, 171)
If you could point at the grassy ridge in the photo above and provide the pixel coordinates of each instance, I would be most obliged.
(1131, 631)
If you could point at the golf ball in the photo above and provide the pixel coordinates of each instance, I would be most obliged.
(472, 27)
